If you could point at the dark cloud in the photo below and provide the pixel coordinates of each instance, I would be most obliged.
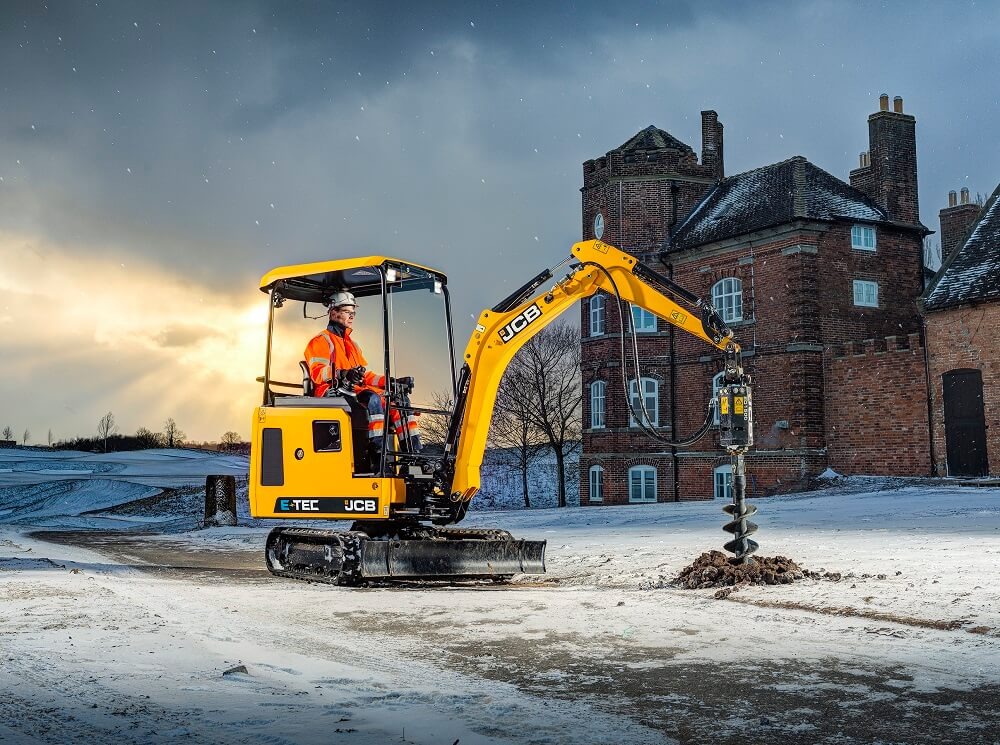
(218, 140)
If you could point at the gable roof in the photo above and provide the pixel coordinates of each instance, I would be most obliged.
(793, 189)
(653, 138)
(971, 272)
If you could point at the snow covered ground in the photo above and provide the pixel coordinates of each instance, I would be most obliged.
(112, 633)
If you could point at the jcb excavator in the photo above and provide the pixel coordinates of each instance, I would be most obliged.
(311, 457)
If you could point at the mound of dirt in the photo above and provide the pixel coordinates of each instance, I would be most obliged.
(716, 569)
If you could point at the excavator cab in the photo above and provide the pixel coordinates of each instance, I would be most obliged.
(309, 448)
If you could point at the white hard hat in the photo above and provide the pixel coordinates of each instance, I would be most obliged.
(339, 299)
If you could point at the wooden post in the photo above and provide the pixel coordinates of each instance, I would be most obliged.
(220, 501)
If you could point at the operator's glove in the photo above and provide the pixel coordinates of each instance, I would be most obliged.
(402, 385)
(350, 377)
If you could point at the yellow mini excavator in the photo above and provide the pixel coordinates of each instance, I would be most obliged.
(312, 458)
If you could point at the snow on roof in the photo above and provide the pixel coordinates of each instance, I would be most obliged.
(971, 272)
(793, 189)
(653, 138)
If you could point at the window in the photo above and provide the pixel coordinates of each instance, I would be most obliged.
(866, 293)
(642, 320)
(727, 297)
(596, 484)
(724, 483)
(863, 237)
(650, 397)
(597, 396)
(642, 484)
(716, 385)
(597, 315)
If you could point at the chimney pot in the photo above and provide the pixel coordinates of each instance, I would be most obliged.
(897, 104)
(952, 198)
(965, 195)
(861, 160)
(883, 102)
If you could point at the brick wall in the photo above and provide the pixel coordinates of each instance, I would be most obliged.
(876, 407)
(955, 224)
(963, 338)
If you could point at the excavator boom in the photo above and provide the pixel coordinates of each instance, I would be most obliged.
(502, 330)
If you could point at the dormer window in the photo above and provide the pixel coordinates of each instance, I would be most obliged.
(863, 237)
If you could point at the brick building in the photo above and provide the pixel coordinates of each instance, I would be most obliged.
(962, 310)
(804, 266)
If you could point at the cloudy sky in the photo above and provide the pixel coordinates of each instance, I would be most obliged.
(157, 158)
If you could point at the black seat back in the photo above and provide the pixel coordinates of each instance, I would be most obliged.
(308, 388)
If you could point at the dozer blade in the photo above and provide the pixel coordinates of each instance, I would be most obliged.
(352, 557)
(451, 558)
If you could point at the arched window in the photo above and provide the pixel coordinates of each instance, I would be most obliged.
(716, 385)
(642, 484)
(724, 482)
(727, 297)
(597, 315)
(596, 484)
(651, 399)
(597, 398)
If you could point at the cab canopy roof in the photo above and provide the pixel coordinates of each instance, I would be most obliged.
(316, 282)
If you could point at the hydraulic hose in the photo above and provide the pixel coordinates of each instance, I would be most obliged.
(643, 421)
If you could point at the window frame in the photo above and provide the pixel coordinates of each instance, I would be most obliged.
(726, 484)
(597, 471)
(603, 408)
(862, 284)
(654, 410)
(728, 287)
(645, 328)
(598, 315)
(861, 232)
(644, 471)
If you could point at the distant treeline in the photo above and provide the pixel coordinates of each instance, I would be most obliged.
(142, 441)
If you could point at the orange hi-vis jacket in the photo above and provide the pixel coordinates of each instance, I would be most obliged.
(329, 352)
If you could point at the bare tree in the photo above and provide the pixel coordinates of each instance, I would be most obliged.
(513, 424)
(148, 439)
(548, 367)
(172, 433)
(106, 427)
(25, 437)
(230, 440)
(434, 427)
(8, 433)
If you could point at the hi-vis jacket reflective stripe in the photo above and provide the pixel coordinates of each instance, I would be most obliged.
(328, 352)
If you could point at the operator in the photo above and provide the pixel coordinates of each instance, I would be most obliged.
(334, 353)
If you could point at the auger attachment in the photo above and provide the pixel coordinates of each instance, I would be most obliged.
(739, 510)
(736, 436)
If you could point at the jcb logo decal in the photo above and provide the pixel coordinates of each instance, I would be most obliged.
(520, 322)
(360, 505)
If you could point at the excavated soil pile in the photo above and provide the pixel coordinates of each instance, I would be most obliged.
(715, 569)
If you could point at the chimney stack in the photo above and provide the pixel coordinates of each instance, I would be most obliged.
(956, 220)
(711, 144)
(889, 175)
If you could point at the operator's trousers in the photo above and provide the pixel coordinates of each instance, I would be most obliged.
(408, 434)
